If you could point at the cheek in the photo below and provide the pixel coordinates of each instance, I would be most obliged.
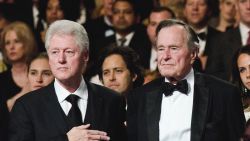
(31, 79)
(243, 77)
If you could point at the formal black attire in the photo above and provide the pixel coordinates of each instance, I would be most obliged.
(139, 42)
(98, 30)
(38, 116)
(217, 111)
(8, 89)
(211, 37)
(225, 47)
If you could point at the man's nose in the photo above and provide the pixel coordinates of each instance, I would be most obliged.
(112, 76)
(61, 57)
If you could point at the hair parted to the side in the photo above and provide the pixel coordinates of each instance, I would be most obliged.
(66, 27)
(193, 41)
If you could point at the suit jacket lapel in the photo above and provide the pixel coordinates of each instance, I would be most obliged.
(95, 106)
(153, 110)
(54, 109)
(200, 108)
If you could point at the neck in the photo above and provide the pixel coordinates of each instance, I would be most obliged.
(123, 34)
(19, 67)
(223, 24)
(71, 85)
(198, 27)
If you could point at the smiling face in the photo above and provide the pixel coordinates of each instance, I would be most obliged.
(65, 58)
(174, 58)
(244, 69)
(13, 47)
(39, 74)
(116, 75)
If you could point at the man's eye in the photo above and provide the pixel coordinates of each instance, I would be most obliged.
(105, 73)
(69, 53)
(119, 70)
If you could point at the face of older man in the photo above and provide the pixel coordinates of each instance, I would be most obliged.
(65, 58)
(174, 57)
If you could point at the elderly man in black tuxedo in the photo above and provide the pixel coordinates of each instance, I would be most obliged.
(183, 105)
(69, 108)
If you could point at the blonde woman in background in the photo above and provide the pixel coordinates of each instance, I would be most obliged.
(18, 45)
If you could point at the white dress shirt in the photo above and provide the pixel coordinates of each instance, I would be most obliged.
(62, 94)
(176, 114)
(128, 38)
(153, 59)
(244, 33)
(202, 43)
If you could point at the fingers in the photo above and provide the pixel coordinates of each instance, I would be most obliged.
(83, 126)
(98, 137)
(96, 132)
(95, 135)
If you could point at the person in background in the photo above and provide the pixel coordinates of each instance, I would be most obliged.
(100, 28)
(183, 105)
(227, 17)
(128, 33)
(39, 75)
(5, 19)
(246, 135)
(69, 108)
(241, 76)
(228, 42)
(157, 15)
(18, 46)
(119, 69)
(196, 14)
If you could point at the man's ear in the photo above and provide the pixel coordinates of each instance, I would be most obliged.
(194, 54)
(85, 55)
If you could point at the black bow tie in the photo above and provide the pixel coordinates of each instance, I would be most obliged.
(202, 36)
(181, 86)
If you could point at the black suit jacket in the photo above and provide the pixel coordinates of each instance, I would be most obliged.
(225, 46)
(212, 36)
(38, 116)
(139, 42)
(217, 111)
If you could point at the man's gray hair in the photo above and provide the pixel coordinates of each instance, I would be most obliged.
(66, 27)
(193, 41)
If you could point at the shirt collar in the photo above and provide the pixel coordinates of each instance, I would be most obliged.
(189, 77)
(63, 93)
(243, 29)
(128, 37)
(204, 29)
